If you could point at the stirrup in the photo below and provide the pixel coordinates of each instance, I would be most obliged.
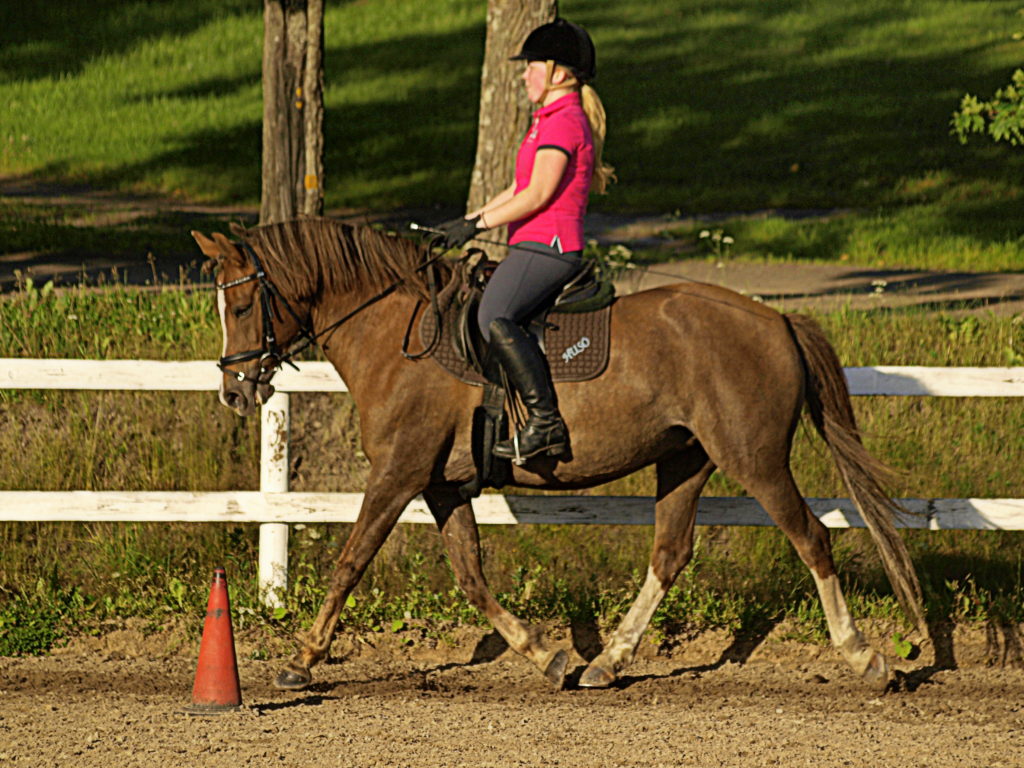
(553, 449)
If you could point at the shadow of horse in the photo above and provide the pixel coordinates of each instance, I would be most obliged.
(744, 643)
(488, 648)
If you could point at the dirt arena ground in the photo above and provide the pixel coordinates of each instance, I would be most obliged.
(100, 703)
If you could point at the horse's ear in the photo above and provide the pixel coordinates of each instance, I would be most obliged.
(227, 250)
(238, 230)
(206, 245)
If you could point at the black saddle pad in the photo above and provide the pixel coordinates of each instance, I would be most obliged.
(577, 345)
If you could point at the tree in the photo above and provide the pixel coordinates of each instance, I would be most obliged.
(504, 109)
(293, 112)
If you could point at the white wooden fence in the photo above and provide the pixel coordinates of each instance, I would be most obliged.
(273, 506)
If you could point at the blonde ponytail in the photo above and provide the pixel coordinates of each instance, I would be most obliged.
(594, 110)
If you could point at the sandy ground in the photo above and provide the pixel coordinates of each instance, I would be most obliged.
(103, 703)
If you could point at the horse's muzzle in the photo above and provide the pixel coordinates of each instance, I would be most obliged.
(243, 396)
(239, 396)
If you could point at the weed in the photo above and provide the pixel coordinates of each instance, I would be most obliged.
(34, 621)
(719, 244)
(901, 646)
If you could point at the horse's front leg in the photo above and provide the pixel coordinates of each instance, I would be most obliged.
(458, 529)
(379, 512)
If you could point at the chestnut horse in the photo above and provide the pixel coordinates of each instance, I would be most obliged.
(700, 378)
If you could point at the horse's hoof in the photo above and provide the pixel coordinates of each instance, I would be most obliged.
(877, 673)
(292, 679)
(555, 671)
(596, 677)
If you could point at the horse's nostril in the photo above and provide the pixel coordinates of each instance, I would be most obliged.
(233, 399)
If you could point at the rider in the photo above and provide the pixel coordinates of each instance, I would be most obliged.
(558, 163)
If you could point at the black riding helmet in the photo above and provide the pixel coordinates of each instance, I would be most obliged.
(564, 43)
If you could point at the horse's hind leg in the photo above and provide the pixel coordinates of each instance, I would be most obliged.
(458, 529)
(783, 502)
(680, 480)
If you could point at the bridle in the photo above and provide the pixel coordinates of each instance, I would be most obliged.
(305, 337)
(271, 351)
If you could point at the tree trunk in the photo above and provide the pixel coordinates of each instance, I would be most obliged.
(292, 109)
(504, 109)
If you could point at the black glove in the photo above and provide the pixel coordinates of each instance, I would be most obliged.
(458, 232)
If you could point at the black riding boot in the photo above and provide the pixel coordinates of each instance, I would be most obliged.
(521, 358)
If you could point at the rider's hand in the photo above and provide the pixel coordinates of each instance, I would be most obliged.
(458, 232)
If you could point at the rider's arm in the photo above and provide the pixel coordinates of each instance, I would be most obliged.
(499, 199)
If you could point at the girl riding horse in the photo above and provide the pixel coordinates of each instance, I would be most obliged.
(558, 163)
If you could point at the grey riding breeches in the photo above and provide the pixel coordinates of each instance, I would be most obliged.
(531, 275)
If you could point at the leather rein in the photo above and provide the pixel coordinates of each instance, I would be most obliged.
(272, 354)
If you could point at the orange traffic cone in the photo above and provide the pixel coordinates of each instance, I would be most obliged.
(216, 688)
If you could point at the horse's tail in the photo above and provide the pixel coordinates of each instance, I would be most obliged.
(831, 411)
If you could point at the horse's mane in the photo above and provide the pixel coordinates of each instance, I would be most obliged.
(309, 255)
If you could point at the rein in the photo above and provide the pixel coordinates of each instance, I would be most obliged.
(306, 336)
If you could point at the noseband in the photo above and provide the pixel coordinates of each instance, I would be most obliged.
(271, 350)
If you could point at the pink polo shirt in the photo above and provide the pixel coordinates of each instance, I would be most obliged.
(560, 125)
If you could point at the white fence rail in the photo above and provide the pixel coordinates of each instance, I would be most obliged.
(202, 375)
(489, 509)
(273, 506)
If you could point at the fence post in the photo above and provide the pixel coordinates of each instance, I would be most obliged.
(274, 427)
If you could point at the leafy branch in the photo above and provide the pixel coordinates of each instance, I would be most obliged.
(1001, 117)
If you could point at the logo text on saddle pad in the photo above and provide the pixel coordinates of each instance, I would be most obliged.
(576, 349)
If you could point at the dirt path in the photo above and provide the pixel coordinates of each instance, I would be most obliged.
(819, 286)
(827, 287)
(792, 286)
(788, 705)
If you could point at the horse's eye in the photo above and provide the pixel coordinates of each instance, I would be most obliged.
(242, 311)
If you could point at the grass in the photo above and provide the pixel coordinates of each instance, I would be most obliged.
(58, 579)
(120, 321)
(932, 223)
(718, 108)
(153, 103)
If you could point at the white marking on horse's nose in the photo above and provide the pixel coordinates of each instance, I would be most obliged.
(222, 309)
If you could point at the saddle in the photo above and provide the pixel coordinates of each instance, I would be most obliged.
(574, 332)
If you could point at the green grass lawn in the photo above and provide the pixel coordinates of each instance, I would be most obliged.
(935, 223)
(712, 108)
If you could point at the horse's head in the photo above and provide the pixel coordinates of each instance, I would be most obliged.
(251, 321)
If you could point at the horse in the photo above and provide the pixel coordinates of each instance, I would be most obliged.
(699, 378)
